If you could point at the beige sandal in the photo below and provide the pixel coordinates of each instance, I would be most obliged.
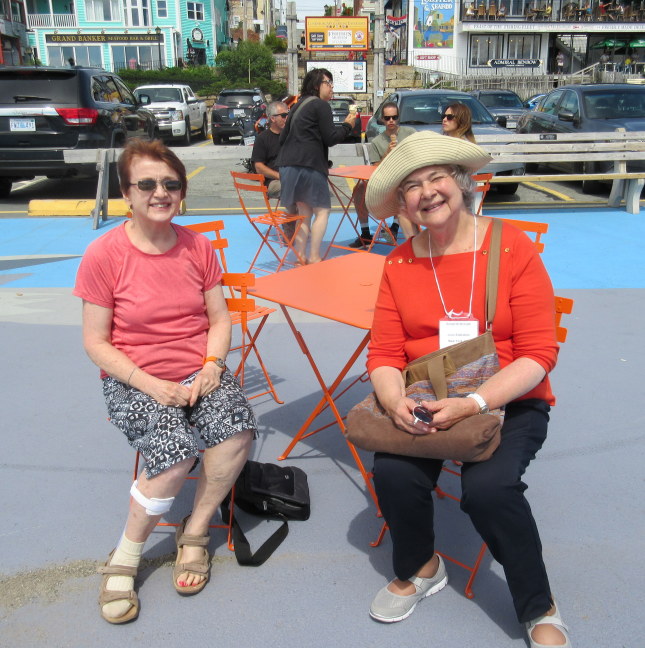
(202, 568)
(108, 596)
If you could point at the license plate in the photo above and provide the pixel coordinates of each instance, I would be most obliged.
(336, 118)
(25, 124)
(239, 112)
(511, 124)
(249, 141)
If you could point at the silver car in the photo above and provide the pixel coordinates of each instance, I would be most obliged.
(501, 103)
(422, 109)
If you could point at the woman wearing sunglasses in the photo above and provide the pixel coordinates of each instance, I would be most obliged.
(156, 323)
(456, 121)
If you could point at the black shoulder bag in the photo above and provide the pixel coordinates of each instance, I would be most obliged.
(270, 491)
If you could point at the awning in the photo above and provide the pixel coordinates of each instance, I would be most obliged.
(198, 45)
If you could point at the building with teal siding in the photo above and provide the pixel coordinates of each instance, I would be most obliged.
(117, 34)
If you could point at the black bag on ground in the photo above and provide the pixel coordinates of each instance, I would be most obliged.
(270, 491)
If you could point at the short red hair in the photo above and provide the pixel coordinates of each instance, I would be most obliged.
(154, 149)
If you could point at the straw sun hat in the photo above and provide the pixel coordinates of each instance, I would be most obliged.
(415, 152)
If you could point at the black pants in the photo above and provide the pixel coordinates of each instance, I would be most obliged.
(493, 497)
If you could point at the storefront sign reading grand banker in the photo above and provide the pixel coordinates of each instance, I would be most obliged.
(103, 38)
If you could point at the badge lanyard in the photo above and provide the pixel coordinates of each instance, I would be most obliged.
(454, 329)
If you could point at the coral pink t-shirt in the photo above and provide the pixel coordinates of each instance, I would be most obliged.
(159, 313)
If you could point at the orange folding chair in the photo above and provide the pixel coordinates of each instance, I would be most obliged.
(270, 225)
(481, 189)
(531, 228)
(242, 310)
(563, 305)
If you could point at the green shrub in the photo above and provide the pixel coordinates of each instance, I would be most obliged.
(197, 77)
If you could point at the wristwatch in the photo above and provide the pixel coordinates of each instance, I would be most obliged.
(218, 361)
(483, 405)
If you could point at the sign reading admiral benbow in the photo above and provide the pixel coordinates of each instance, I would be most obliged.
(515, 63)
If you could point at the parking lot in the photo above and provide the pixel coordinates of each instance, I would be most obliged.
(209, 180)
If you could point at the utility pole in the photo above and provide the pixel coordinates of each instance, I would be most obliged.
(292, 48)
(378, 75)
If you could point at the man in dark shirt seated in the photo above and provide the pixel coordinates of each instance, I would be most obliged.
(267, 147)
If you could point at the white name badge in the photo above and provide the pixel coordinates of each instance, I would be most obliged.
(454, 331)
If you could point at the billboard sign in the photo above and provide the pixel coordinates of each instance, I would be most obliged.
(332, 34)
(349, 76)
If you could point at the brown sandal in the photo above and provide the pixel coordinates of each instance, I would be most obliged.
(202, 568)
(108, 596)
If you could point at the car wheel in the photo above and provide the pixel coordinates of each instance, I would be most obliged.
(114, 189)
(217, 140)
(591, 186)
(5, 187)
(204, 131)
(185, 140)
(507, 189)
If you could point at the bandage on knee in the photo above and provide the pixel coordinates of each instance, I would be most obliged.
(153, 505)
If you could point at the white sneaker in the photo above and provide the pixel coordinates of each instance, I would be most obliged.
(388, 607)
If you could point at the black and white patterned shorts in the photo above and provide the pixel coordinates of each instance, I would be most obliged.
(164, 435)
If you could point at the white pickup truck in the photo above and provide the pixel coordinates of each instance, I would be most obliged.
(179, 113)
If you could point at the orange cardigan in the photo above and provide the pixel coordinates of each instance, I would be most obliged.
(408, 308)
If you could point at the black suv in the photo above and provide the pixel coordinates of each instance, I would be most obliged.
(248, 104)
(45, 111)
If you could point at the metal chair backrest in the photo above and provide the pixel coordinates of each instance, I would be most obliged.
(537, 229)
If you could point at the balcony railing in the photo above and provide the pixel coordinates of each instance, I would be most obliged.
(51, 20)
(557, 10)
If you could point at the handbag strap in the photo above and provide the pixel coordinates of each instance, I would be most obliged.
(492, 275)
(242, 547)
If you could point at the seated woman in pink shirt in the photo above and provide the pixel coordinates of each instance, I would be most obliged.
(156, 323)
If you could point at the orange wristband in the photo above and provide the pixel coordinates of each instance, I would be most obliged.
(218, 361)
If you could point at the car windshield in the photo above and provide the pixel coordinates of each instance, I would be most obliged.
(501, 100)
(615, 104)
(428, 108)
(235, 99)
(340, 104)
(160, 94)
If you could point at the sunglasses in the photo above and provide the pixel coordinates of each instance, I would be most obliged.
(285, 115)
(150, 185)
(449, 117)
(390, 117)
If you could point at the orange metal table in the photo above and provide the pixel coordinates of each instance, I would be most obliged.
(360, 173)
(342, 289)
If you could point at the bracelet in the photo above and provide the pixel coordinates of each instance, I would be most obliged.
(218, 361)
(131, 374)
(483, 405)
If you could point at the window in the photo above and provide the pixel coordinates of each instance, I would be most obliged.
(521, 46)
(550, 104)
(570, 103)
(139, 13)
(195, 10)
(143, 57)
(80, 54)
(162, 9)
(484, 48)
(102, 10)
